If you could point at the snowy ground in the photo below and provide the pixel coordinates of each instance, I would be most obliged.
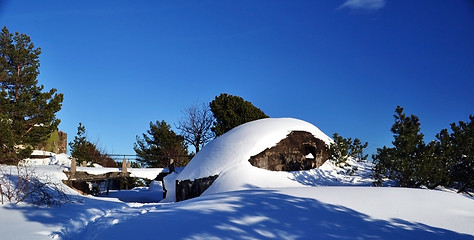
(251, 203)
(332, 209)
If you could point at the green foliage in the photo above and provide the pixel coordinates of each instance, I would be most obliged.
(344, 148)
(131, 182)
(383, 164)
(159, 145)
(403, 161)
(339, 149)
(455, 151)
(134, 164)
(27, 114)
(7, 142)
(357, 150)
(447, 161)
(232, 111)
(49, 144)
(433, 170)
(78, 145)
(85, 151)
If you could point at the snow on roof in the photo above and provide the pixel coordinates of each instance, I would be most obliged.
(147, 173)
(42, 153)
(39, 157)
(233, 149)
(64, 159)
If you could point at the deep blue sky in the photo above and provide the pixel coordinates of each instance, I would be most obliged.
(341, 65)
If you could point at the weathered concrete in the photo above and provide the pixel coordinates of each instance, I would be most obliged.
(188, 189)
(124, 166)
(73, 166)
(298, 151)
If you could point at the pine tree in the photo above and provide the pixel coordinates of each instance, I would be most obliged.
(344, 148)
(403, 161)
(456, 152)
(159, 145)
(384, 165)
(85, 151)
(339, 149)
(78, 147)
(432, 171)
(27, 114)
(232, 111)
(357, 150)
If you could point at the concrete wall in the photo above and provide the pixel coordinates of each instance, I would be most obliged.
(298, 151)
(187, 189)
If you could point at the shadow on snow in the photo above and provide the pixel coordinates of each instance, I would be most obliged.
(254, 214)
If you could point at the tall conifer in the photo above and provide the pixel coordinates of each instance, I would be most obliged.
(404, 160)
(159, 145)
(27, 114)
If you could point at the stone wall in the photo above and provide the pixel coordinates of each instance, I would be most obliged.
(298, 151)
(56, 143)
(188, 189)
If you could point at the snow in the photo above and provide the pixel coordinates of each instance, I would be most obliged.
(249, 203)
(285, 213)
(138, 194)
(169, 182)
(50, 158)
(300, 213)
(146, 173)
(64, 159)
(228, 155)
(234, 148)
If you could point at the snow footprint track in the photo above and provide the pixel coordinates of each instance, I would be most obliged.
(96, 223)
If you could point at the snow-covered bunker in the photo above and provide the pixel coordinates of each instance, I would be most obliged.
(275, 144)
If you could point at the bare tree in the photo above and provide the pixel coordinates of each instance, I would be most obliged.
(196, 125)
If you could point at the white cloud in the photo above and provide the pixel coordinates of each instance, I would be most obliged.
(363, 4)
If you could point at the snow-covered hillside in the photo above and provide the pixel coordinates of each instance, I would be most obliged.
(246, 202)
